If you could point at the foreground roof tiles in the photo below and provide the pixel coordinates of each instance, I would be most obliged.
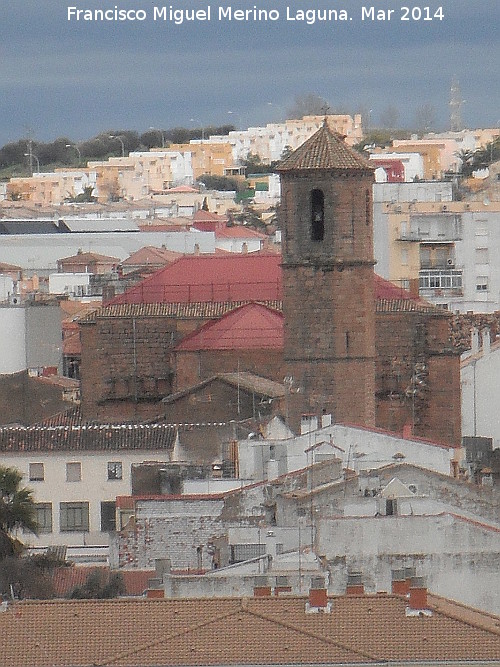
(363, 629)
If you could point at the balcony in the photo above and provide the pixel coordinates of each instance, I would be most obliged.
(441, 281)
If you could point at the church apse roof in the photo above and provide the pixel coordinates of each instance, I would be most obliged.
(324, 150)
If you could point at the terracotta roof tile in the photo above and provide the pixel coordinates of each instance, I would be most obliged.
(245, 380)
(252, 631)
(324, 150)
(203, 310)
(91, 257)
(252, 326)
(87, 437)
(66, 578)
(193, 279)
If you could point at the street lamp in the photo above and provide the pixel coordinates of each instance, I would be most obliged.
(113, 136)
(77, 150)
(31, 155)
(160, 133)
(240, 124)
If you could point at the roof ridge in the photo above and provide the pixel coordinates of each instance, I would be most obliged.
(449, 603)
(308, 633)
(172, 635)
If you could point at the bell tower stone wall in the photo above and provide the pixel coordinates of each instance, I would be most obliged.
(328, 286)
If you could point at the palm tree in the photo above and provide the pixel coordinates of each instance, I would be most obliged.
(17, 510)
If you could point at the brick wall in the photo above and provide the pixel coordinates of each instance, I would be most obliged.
(216, 402)
(192, 367)
(328, 296)
(126, 367)
(409, 343)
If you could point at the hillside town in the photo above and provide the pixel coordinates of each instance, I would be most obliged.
(248, 384)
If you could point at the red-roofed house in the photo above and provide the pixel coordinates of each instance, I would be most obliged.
(88, 262)
(205, 221)
(148, 259)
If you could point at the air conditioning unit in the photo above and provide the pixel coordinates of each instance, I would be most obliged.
(450, 262)
(445, 208)
(413, 488)
(14, 299)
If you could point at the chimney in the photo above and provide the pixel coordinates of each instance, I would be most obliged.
(318, 595)
(354, 584)
(410, 573)
(418, 594)
(261, 588)
(282, 585)
(400, 585)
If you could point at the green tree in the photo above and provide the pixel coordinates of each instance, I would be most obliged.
(219, 182)
(99, 586)
(29, 577)
(17, 510)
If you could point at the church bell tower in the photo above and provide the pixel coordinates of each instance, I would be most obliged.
(328, 280)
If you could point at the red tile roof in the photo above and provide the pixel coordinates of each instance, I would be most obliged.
(87, 437)
(90, 257)
(151, 255)
(238, 232)
(250, 327)
(210, 279)
(67, 578)
(360, 629)
(181, 188)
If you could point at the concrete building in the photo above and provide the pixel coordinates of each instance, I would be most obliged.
(395, 516)
(52, 188)
(479, 371)
(412, 163)
(270, 142)
(31, 337)
(77, 470)
(449, 247)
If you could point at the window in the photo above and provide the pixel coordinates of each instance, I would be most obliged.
(317, 215)
(482, 256)
(37, 473)
(108, 516)
(43, 517)
(74, 516)
(435, 279)
(114, 470)
(482, 284)
(73, 472)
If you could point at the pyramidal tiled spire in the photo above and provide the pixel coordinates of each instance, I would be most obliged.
(324, 150)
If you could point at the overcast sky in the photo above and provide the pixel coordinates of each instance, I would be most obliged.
(61, 77)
